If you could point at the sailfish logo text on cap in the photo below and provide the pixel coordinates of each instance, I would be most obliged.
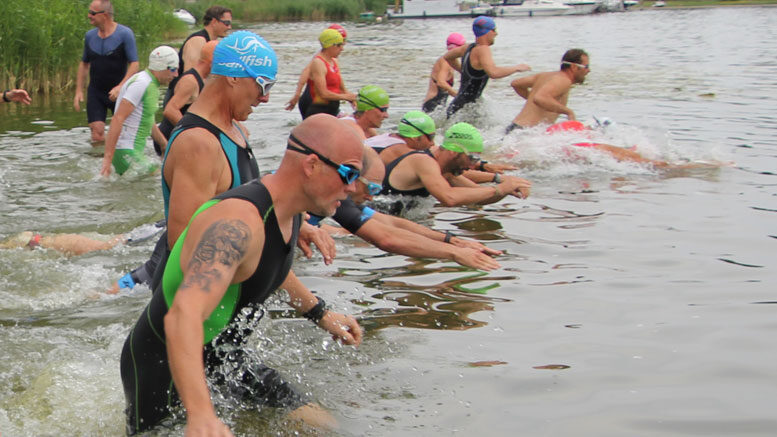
(247, 45)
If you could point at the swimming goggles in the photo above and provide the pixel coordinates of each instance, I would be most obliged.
(264, 84)
(372, 188)
(366, 100)
(347, 172)
(586, 66)
(430, 136)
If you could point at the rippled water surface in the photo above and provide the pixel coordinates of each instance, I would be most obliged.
(631, 301)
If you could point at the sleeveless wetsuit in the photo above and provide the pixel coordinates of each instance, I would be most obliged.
(145, 371)
(388, 189)
(165, 126)
(108, 59)
(203, 33)
(242, 164)
(472, 83)
(440, 99)
(333, 84)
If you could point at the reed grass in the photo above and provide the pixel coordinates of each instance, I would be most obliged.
(41, 41)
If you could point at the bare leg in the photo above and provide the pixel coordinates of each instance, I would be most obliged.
(98, 132)
(315, 416)
(74, 244)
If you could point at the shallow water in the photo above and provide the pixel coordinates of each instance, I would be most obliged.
(631, 301)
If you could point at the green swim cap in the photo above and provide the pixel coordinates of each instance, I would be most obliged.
(330, 37)
(371, 97)
(463, 138)
(416, 123)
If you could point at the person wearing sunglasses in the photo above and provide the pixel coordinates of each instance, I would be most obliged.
(302, 99)
(441, 78)
(236, 251)
(217, 22)
(423, 173)
(476, 64)
(327, 87)
(396, 234)
(547, 93)
(372, 104)
(134, 121)
(110, 58)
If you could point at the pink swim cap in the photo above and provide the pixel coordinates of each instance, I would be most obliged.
(340, 29)
(455, 40)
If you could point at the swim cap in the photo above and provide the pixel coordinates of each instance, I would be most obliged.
(414, 124)
(340, 29)
(371, 97)
(482, 25)
(463, 138)
(456, 40)
(162, 58)
(330, 37)
(244, 54)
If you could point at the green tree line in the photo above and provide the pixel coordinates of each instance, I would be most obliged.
(41, 41)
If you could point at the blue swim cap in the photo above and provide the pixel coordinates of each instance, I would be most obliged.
(482, 25)
(244, 54)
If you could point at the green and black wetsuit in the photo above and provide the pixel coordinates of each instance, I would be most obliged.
(145, 371)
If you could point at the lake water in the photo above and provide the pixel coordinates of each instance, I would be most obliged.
(631, 301)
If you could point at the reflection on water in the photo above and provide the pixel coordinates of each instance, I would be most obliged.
(625, 301)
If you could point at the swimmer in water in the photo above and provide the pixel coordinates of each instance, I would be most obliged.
(546, 97)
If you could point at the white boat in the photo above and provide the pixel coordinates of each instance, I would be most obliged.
(530, 8)
(185, 16)
(659, 4)
(582, 7)
(629, 3)
(436, 9)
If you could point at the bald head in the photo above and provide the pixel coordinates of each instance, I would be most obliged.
(328, 136)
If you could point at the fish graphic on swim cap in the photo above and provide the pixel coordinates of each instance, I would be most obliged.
(244, 54)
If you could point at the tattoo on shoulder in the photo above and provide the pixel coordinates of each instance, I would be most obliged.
(224, 242)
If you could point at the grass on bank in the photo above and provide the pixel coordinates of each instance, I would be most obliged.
(41, 42)
(287, 10)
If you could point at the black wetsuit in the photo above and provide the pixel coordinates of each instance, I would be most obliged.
(388, 189)
(243, 166)
(203, 33)
(472, 83)
(304, 102)
(349, 215)
(165, 126)
(145, 371)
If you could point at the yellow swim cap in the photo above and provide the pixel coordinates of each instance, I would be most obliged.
(330, 37)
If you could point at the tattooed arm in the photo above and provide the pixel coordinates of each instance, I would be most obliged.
(222, 243)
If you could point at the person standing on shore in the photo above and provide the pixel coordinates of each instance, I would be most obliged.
(441, 79)
(110, 57)
(477, 64)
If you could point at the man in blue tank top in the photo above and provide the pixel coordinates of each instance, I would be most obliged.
(110, 57)
(477, 64)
